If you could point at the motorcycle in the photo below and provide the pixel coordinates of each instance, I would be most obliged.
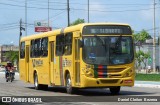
(10, 75)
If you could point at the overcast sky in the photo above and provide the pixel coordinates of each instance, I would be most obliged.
(137, 13)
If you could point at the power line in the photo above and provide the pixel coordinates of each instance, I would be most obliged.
(32, 7)
(115, 11)
(49, 17)
(11, 28)
(8, 24)
(29, 7)
(77, 9)
(84, 3)
(151, 29)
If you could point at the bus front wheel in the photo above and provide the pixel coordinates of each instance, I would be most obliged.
(69, 87)
(36, 84)
(115, 90)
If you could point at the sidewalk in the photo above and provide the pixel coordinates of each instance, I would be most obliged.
(148, 84)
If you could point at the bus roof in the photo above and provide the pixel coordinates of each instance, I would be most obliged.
(65, 30)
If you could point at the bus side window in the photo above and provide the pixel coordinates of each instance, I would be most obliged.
(60, 45)
(22, 50)
(44, 47)
(32, 49)
(37, 47)
(68, 44)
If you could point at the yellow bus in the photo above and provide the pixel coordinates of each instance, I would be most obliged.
(89, 55)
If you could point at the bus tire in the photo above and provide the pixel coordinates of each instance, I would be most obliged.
(69, 88)
(36, 84)
(115, 90)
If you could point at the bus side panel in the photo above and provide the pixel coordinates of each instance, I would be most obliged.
(22, 69)
(44, 71)
(31, 71)
(23, 63)
(51, 59)
(58, 68)
(76, 57)
(41, 67)
(67, 66)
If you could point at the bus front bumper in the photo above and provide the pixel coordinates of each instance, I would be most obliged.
(106, 82)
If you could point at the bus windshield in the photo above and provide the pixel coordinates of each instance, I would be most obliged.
(108, 50)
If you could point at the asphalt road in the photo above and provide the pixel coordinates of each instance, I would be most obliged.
(90, 96)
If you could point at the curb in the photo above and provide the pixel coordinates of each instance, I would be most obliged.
(147, 85)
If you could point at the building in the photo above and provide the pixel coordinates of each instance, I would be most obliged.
(4, 49)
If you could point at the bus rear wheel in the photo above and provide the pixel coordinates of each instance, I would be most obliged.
(115, 90)
(36, 84)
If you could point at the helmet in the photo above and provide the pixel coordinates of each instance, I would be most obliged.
(8, 62)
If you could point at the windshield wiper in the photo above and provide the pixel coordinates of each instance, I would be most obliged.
(118, 42)
(101, 41)
(104, 44)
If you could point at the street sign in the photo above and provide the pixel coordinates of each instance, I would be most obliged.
(43, 29)
(42, 26)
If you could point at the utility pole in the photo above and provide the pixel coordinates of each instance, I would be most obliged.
(26, 16)
(68, 12)
(154, 40)
(20, 29)
(88, 11)
(48, 15)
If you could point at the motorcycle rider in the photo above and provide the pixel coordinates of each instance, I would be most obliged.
(8, 67)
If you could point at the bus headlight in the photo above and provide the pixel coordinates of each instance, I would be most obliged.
(89, 74)
(128, 73)
(88, 71)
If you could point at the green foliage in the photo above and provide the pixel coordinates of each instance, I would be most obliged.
(148, 77)
(141, 37)
(12, 56)
(141, 57)
(78, 21)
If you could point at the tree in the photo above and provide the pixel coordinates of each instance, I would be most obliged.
(141, 37)
(13, 56)
(78, 21)
(140, 56)
(146, 56)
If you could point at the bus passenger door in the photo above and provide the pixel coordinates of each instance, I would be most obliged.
(27, 63)
(77, 62)
(51, 72)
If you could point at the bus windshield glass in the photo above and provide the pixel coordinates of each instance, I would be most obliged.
(107, 30)
(108, 50)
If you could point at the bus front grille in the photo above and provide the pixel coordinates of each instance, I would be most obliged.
(101, 71)
(115, 70)
(109, 81)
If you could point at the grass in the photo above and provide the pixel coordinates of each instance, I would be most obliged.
(3, 63)
(148, 77)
